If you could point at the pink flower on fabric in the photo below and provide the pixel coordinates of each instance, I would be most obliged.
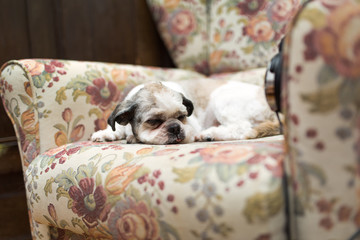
(259, 29)
(344, 213)
(35, 68)
(49, 68)
(89, 204)
(102, 93)
(52, 212)
(182, 22)
(225, 154)
(283, 10)
(133, 220)
(337, 43)
(57, 63)
(251, 7)
(326, 223)
(324, 206)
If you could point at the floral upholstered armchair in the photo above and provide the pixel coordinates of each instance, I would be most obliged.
(78, 189)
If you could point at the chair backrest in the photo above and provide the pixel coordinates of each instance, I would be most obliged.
(212, 36)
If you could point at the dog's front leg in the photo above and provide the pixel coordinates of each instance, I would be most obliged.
(241, 130)
(130, 138)
(192, 130)
(108, 134)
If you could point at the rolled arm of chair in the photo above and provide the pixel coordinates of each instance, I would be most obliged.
(321, 97)
(19, 103)
(54, 102)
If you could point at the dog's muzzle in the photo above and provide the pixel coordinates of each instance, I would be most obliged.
(176, 133)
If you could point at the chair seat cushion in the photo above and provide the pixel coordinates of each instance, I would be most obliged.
(199, 190)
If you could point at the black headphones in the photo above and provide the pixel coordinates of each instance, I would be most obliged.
(273, 81)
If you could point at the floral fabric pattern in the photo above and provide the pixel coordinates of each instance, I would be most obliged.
(221, 190)
(140, 191)
(133, 219)
(223, 36)
(125, 193)
(100, 87)
(322, 81)
(183, 27)
(97, 86)
(245, 34)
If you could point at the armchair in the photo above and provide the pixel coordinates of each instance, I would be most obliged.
(77, 189)
(321, 100)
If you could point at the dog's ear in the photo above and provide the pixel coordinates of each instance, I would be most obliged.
(122, 114)
(188, 104)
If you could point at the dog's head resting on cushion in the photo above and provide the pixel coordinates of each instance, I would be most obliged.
(157, 115)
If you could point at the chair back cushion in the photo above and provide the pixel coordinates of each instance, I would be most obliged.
(211, 36)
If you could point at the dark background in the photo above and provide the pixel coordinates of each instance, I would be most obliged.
(118, 31)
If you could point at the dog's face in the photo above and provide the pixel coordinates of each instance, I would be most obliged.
(157, 114)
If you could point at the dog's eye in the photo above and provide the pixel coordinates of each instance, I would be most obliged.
(181, 118)
(154, 122)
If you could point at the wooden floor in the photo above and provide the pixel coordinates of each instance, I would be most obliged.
(13, 210)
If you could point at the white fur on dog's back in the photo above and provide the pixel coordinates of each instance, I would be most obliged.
(237, 101)
(237, 107)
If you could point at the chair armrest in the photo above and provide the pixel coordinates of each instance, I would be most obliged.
(54, 102)
(321, 97)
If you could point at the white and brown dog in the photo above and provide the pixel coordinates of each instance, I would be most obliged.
(188, 111)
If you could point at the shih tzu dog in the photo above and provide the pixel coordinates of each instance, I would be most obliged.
(188, 111)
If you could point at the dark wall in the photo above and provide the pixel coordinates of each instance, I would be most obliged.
(118, 31)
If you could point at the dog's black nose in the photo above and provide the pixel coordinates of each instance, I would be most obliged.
(174, 128)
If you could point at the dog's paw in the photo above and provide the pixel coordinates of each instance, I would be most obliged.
(103, 135)
(108, 134)
(131, 139)
(206, 136)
